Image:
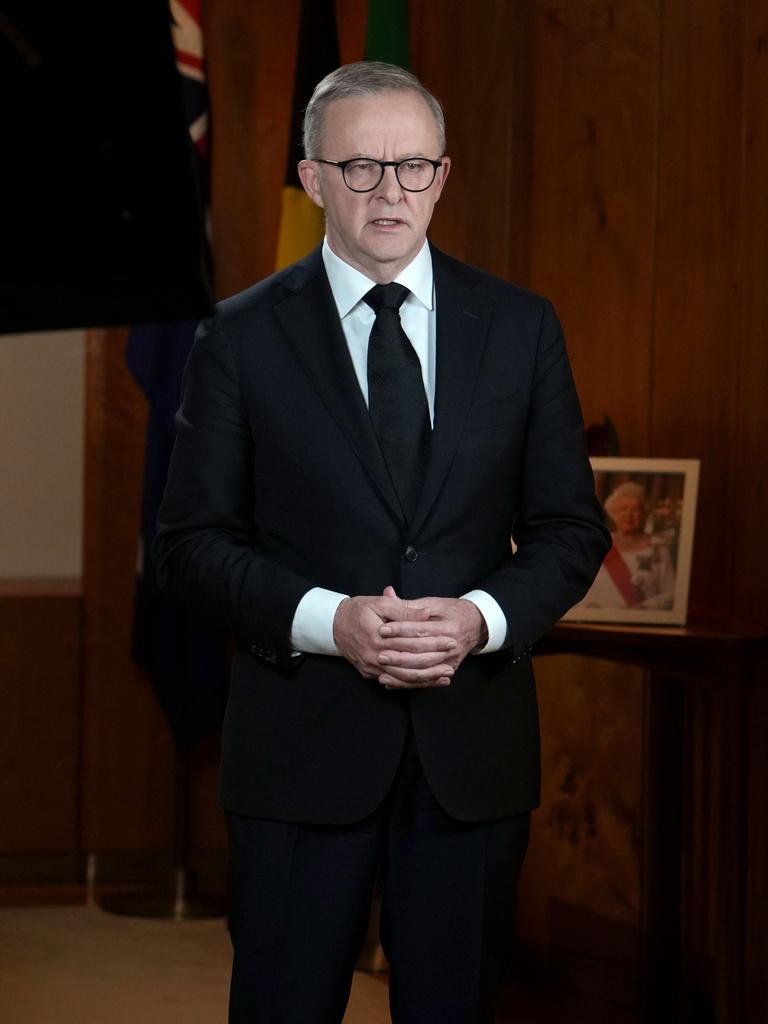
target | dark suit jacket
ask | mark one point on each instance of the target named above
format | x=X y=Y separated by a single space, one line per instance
x=277 y=485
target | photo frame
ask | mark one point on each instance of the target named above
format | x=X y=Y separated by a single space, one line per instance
x=650 y=507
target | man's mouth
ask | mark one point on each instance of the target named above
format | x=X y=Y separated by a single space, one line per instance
x=386 y=222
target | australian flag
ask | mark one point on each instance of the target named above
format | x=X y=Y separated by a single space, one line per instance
x=184 y=658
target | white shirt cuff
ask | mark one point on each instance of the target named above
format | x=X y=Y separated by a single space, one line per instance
x=312 y=627
x=495 y=619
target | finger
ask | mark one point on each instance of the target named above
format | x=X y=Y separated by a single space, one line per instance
x=411 y=662
x=400 y=628
x=416 y=611
x=393 y=684
x=390 y=592
x=396 y=610
x=418 y=645
x=416 y=676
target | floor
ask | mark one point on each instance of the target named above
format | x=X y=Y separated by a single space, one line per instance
x=76 y=964
x=79 y=965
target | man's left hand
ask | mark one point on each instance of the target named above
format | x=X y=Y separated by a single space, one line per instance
x=450 y=617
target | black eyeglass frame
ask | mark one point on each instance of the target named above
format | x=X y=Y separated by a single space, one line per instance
x=383 y=164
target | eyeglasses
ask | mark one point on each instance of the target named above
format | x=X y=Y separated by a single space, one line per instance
x=363 y=175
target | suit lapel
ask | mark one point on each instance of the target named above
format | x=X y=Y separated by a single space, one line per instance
x=462 y=328
x=311 y=324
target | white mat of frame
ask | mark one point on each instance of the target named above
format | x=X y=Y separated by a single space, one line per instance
x=79 y=965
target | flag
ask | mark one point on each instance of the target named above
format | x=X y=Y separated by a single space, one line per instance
x=184 y=658
x=386 y=32
x=302 y=224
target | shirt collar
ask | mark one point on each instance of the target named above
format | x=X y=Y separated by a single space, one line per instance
x=349 y=285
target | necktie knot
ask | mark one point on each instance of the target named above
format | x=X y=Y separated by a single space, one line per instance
x=386 y=296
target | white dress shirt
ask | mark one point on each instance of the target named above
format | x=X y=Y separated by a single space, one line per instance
x=312 y=627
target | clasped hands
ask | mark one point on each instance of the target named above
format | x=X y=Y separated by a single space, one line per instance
x=407 y=644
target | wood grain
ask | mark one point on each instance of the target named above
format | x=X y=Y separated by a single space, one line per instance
x=127 y=751
x=748 y=492
x=250 y=53
x=697 y=321
x=594 y=163
x=481 y=68
x=592 y=253
x=586 y=839
x=40 y=656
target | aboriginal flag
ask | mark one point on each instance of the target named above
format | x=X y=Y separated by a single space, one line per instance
x=301 y=222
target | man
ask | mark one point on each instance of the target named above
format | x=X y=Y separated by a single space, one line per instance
x=350 y=464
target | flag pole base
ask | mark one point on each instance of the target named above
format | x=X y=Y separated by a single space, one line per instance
x=177 y=905
x=180 y=900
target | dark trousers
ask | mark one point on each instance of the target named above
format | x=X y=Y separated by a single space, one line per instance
x=300 y=897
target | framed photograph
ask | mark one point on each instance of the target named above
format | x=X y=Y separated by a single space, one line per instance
x=650 y=509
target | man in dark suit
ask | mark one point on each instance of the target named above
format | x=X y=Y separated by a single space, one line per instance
x=351 y=462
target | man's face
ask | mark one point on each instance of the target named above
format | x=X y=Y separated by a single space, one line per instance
x=377 y=232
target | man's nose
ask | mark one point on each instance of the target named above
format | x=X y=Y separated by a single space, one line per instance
x=389 y=187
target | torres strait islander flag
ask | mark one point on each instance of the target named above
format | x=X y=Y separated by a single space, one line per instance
x=301 y=222
x=184 y=658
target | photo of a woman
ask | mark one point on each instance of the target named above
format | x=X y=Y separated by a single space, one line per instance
x=649 y=509
x=638 y=570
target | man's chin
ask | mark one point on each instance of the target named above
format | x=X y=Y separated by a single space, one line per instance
x=394 y=252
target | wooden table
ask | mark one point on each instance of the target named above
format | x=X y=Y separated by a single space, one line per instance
x=704 y=899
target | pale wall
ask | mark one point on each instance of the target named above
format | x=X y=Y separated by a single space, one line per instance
x=41 y=453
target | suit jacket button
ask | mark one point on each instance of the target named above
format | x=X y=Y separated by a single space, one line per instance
x=411 y=554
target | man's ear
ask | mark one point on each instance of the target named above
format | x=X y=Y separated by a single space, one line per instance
x=309 y=174
x=442 y=175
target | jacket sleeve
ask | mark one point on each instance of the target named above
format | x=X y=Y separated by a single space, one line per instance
x=206 y=551
x=559 y=534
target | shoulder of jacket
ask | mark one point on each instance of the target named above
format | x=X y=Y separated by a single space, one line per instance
x=486 y=285
x=265 y=294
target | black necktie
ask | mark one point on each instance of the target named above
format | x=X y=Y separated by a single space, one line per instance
x=396 y=400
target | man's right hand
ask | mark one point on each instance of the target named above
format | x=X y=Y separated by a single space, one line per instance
x=356 y=633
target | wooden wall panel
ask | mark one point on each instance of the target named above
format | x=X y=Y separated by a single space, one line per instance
x=251 y=54
x=481 y=68
x=592 y=253
x=697 y=331
x=351 y=17
x=40 y=623
x=127 y=782
x=586 y=841
x=748 y=492
x=594 y=160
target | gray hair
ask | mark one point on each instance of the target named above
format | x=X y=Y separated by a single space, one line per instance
x=629 y=489
x=364 y=78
